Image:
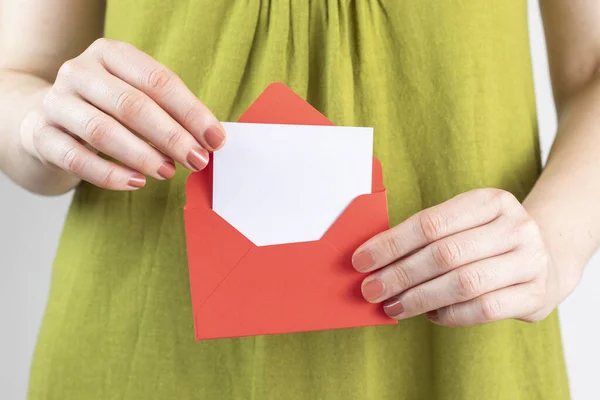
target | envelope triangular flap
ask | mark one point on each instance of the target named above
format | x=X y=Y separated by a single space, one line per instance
x=209 y=241
x=342 y=234
x=216 y=249
x=278 y=104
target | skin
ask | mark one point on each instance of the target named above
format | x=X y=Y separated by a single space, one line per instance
x=66 y=95
x=482 y=256
x=87 y=95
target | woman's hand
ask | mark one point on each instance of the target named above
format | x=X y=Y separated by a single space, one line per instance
x=476 y=258
x=117 y=100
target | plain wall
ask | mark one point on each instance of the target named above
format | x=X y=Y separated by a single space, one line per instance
x=30 y=227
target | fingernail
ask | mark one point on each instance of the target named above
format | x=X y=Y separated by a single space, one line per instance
x=394 y=308
x=433 y=316
x=137 y=181
x=363 y=261
x=198 y=159
x=167 y=170
x=372 y=290
x=214 y=137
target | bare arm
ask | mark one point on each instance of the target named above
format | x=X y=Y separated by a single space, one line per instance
x=36 y=38
x=66 y=96
x=565 y=201
x=482 y=256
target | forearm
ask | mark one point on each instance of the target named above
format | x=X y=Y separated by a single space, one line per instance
x=36 y=38
x=21 y=96
x=565 y=200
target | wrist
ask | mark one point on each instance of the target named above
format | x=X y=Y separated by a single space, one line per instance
x=567 y=257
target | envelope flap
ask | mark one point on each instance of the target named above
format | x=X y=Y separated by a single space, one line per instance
x=367 y=214
x=215 y=249
x=278 y=104
x=219 y=255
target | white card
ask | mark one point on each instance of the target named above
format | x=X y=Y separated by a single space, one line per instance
x=288 y=183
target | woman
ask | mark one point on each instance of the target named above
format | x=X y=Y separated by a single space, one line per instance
x=483 y=243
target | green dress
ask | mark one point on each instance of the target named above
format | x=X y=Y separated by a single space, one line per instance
x=447 y=85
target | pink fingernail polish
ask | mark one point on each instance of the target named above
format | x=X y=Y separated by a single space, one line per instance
x=198 y=158
x=433 y=316
x=214 y=137
x=167 y=170
x=363 y=261
x=394 y=308
x=372 y=290
x=137 y=181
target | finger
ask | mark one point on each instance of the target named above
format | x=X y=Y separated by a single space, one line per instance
x=519 y=301
x=107 y=135
x=495 y=238
x=465 y=211
x=65 y=152
x=460 y=285
x=141 y=114
x=163 y=86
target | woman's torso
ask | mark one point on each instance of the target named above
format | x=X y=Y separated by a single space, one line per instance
x=447 y=87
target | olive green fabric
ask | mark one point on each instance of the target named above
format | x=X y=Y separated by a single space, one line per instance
x=447 y=86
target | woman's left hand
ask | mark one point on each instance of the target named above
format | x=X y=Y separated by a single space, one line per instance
x=477 y=258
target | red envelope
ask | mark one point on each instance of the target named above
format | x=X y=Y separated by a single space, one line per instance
x=240 y=289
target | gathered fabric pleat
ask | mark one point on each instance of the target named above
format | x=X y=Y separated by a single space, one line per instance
x=447 y=86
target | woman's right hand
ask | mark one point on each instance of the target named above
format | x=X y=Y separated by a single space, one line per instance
x=115 y=99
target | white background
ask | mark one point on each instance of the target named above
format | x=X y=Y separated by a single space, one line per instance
x=30 y=227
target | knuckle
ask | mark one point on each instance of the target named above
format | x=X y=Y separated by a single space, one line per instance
x=446 y=254
x=68 y=70
x=448 y=316
x=97 y=131
x=172 y=138
x=401 y=276
x=101 y=42
x=192 y=116
x=532 y=271
x=50 y=99
x=468 y=283
x=121 y=46
x=528 y=232
x=433 y=224
x=417 y=299
x=505 y=201
x=537 y=316
x=159 y=80
x=485 y=194
x=392 y=246
x=529 y=228
x=100 y=45
x=142 y=161
x=503 y=197
x=130 y=104
x=541 y=259
x=490 y=309
x=40 y=134
x=73 y=161
x=533 y=318
x=512 y=233
x=108 y=177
